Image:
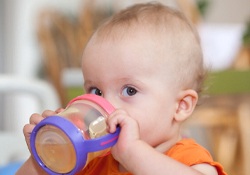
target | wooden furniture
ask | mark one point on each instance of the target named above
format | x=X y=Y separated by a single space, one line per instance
x=244 y=124
x=62 y=39
x=224 y=122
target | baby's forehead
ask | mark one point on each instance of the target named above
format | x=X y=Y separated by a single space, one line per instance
x=159 y=35
x=138 y=34
x=157 y=48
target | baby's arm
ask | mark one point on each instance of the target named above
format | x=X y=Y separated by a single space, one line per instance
x=140 y=158
x=31 y=166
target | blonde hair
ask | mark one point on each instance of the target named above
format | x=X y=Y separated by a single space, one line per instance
x=176 y=32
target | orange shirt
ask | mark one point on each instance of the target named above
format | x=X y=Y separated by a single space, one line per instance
x=186 y=151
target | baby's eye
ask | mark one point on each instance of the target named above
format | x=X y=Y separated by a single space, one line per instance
x=129 y=91
x=96 y=91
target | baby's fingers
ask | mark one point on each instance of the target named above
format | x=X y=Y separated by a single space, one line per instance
x=115 y=119
x=47 y=113
x=27 y=129
x=35 y=119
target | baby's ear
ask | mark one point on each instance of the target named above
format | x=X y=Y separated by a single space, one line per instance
x=186 y=103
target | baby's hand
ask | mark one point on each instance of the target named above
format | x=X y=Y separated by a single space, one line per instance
x=34 y=120
x=129 y=135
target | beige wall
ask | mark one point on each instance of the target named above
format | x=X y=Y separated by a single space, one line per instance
x=228 y=11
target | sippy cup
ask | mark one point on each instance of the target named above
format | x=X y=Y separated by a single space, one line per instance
x=66 y=142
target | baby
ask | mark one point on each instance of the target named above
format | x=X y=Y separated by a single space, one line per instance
x=147 y=62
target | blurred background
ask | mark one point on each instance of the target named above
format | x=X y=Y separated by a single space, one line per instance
x=41 y=42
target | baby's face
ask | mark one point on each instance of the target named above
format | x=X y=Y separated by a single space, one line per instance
x=130 y=74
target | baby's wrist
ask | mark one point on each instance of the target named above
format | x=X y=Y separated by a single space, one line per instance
x=130 y=151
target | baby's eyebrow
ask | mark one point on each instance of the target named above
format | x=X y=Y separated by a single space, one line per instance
x=130 y=80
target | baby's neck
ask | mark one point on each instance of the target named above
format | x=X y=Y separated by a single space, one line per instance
x=122 y=169
x=165 y=146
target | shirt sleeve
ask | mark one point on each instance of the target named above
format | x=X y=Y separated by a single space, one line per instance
x=190 y=153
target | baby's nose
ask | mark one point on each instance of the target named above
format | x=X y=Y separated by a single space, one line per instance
x=113 y=100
